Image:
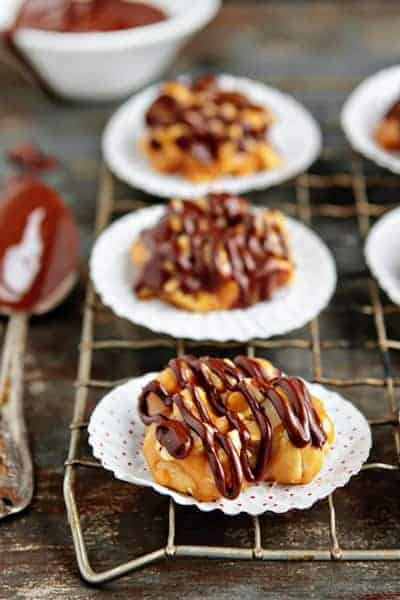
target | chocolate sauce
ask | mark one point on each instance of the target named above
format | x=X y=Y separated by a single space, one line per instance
x=30 y=157
x=84 y=16
x=215 y=242
x=207 y=131
x=288 y=395
x=38 y=244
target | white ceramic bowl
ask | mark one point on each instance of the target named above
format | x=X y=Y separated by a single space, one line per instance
x=110 y=65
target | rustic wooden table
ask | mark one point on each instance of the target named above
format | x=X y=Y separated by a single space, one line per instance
x=317 y=51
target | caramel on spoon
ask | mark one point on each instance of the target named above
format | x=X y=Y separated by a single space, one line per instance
x=39 y=250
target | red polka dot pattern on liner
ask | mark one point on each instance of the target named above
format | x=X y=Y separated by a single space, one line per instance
x=117 y=440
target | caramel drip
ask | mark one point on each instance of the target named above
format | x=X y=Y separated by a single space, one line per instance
x=222 y=240
x=288 y=395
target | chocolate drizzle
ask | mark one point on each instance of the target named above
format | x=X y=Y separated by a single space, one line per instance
x=201 y=245
x=212 y=117
x=217 y=377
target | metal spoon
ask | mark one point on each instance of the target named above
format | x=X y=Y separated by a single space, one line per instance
x=16 y=469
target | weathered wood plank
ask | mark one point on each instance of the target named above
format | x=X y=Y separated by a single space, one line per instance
x=318 y=51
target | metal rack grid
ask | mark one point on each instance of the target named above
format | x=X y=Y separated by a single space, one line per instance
x=361 y=209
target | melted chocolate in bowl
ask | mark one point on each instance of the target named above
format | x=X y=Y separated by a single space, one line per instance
x=38 y=245
x=288 y=395
x=85 y=16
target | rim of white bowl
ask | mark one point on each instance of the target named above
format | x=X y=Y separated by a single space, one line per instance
x=193 y=17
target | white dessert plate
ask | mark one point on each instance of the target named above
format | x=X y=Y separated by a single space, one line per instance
x=113 y=275
x=364 y=109
x=382 y=253
x=116 y=435
x=295 y=135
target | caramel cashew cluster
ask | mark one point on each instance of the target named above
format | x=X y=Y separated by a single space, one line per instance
x=216 y=426
x=199 y=131
x=387 y=133
x=213 y=253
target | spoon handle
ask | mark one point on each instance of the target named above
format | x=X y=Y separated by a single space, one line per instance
x=16 y=468
x=6 y=361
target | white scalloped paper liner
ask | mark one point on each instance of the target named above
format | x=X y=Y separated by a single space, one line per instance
x=382 y=253
x=363 y=110
x=295 y=135
x=116 y=435
x=113 y=274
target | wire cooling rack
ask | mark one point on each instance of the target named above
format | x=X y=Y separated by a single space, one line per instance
x=360 y=209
